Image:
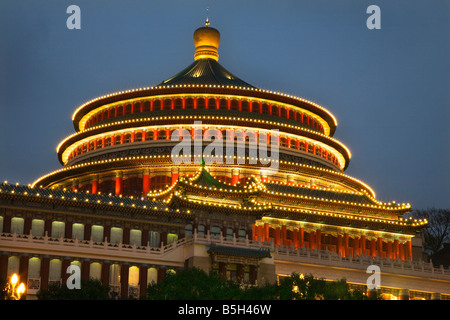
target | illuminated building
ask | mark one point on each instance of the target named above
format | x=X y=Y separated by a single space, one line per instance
x=126 y=213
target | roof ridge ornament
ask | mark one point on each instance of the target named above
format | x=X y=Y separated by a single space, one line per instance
x=206 y=41
x=207 y=17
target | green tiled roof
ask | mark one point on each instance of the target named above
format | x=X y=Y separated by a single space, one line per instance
x=241 y=252
x=317 y=193
x=80 y=197
x=206 y=71
x=205 y=179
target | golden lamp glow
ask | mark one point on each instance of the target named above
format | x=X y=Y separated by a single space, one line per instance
x=14 y=292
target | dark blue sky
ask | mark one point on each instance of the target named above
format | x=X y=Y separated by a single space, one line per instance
x=389 y=89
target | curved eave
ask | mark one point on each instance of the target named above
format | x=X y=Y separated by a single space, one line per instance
x=360 y=201
x=249 y=92
x=215 y=207
x=120 y=125
x=34 y=196
x=346 y=220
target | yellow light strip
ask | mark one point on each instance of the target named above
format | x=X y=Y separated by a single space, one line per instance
x=203 y=86
x=87 y=116
x=69 y=149
x=276 y=221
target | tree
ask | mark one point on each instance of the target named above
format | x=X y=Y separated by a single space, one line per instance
x=196 y=284
x=300 y=287
x=193 y=284
x=90 y=290
x=437 y=231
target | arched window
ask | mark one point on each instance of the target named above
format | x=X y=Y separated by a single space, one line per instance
x=188 y=229
x=95 y=271
x=223 y=104
x=146 y=106
x=201 y=229
x=116 y=235
x=136 y=237
x=58 y=228
x=167 y=104
x=171 y=238
x=242 y=234
x=97 y=233
x=215 y=231
x=154 y=239
x=201 y=103
x=156 y=105
x=189 y=103
x=245 y=106
x=234 y=104
x=178 y=104
x=78 y=231
x=37 y=227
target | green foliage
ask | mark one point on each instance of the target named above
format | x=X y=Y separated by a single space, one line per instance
x=195 y=284
x=90 y=290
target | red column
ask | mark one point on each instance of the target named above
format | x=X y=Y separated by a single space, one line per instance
x=283 y=234
x=143 y=270
x=45 y=269
x=346 y=243
x=363 y=245
x=356 y=248
x=23 y=271
x=312 y=240
x=373 y=247
x=105 y=273
x=64 y=275
x=85 y=266
x=380 y=247
x=95 y=184
x=124 y=271
x=389 y=250
x=235 y=177
x=75 y=185
x=290 y=180
x=146 y=182
x=264 y=178
x=408 y=250
x=301 y=237
x=3 y=265
x=175 y=174
x=318 y=239
x=401 y=250
x=119 y=183
x=339 y=245
x=266 y=231
x=295 y=237
x=277 y=235
x=395 y=253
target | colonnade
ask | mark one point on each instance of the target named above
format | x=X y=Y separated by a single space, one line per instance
x=343 y=243
x=201 y=102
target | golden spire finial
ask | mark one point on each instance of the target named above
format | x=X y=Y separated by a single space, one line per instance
x=206 y=41
x=207 y=17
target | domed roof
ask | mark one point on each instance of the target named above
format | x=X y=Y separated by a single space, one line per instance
x=206 y=69
x=206 y=41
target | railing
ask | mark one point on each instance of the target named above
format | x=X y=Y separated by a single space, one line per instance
x=281 y=253
x=52 y=241
x=385 y=264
